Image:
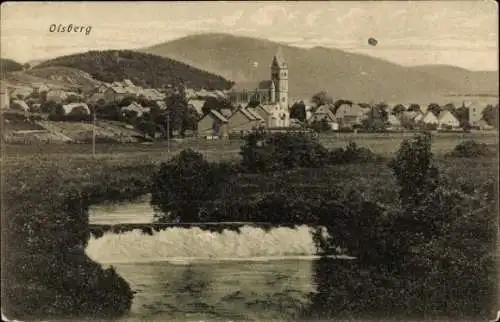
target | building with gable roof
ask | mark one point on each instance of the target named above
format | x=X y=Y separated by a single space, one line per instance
x=349 y=115
x=242 y=121
x=213 y=124
x=447 y=119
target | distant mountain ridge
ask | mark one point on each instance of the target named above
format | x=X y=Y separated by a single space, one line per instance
x=344 y=75
x=141 y=68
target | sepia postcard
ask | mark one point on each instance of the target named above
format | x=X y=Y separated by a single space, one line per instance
x=249 y=161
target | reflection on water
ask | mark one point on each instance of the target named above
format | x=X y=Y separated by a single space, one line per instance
x=218 y=290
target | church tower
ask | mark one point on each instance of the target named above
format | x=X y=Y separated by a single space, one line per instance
x=279 y=78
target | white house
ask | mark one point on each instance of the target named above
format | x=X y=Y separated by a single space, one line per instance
x=135 y=107
x=429 y=118
x=446 y=118
x=476 y=112
x=274 y=115
x=76 y=108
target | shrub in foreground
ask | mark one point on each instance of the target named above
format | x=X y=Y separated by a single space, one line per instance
x=470 y=149
x=45 y=271
x=281 y=151
x=183 y=187
x=352 y=154
x=429 y=257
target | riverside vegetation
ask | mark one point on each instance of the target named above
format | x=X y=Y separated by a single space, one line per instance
x=422 y=230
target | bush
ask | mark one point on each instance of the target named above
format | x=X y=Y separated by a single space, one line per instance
x=414 y=171
x=183 y=187
x=45 y=231
x=352 y=154
x=279 y=151
x=470 y=149
x=411 y=258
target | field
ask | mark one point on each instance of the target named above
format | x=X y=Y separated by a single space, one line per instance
x=132 y=153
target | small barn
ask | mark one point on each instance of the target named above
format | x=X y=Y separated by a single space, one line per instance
x=213 y=124
x=20 y=105
x=242 y=121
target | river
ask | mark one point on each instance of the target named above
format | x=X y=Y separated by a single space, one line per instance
x=191 y=274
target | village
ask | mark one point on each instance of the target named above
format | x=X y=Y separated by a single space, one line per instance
x=220 y=114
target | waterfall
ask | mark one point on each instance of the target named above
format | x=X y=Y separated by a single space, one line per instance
x=180 y=244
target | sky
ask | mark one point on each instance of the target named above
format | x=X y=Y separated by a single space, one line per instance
x=460 y=33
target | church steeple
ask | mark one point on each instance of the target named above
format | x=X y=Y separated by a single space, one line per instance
x=279 y=76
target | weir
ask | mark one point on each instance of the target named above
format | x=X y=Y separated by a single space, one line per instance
x=208 y=241
x=97 y=230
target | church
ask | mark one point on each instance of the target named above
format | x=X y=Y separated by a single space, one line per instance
x=272 y=94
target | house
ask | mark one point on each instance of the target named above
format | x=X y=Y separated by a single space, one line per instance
x=476 y=112
x=243 y=121
x=226 y=112
x=20 y=105
x=349 y=115
x=56 y=96
x=21 y=92
x=97 y=99
x=102 y=88
x=127 y=83
x=76 y=109
x=447 y=119
x=161 y=105
x=135 y=107
x=418 y=116
x=151 y=94
x=393 y=123
x=429 y=120
x=38 y=88
x=274 y=115
x=323 y=112
x=483 y=125
x=4 y=99
x=255 y=114
x=197 y=105
x=213 y=124
x=114 y=94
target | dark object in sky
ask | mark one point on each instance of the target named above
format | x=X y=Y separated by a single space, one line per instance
x=372 y=41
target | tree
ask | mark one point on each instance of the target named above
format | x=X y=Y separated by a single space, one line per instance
x=415 y=173
x=177 y=111
x=298 y=111
x=340 y=102
x=322 y=98
x=434 y=108
x=490 y=115
x=184 y=187
x=414 y=107
x=462 y=114
x=321 y=125
x=147 y=127
x=398 y=109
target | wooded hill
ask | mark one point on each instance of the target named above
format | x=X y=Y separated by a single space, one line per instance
x=9 y=65
x=145 y=70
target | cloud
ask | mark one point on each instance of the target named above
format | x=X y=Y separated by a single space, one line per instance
x=231 y=20
x=267 y=15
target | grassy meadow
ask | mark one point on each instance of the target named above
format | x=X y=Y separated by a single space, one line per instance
x=133 y=153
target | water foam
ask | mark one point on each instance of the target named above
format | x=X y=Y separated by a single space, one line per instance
x=187 y=244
